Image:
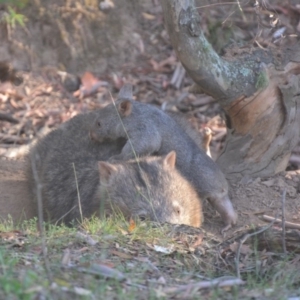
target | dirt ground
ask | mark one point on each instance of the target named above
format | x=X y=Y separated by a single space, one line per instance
x=52 y=54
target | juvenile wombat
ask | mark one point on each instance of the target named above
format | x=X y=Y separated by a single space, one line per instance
x=148 y=130
x=149 y=188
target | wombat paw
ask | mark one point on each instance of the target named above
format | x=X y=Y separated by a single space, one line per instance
x=224 y=229
x=230 y=222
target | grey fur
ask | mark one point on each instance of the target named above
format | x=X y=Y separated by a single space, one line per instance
x=53 y=158
x=149 y=130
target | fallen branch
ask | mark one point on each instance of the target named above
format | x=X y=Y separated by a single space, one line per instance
x=12 y=139
x=287 y=224
x=8 y=118
x=218 y=282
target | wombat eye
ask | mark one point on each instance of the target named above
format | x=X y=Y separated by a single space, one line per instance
x=142 y=218
x=99 y=124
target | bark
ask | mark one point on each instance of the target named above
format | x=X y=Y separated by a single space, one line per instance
x=258 y=90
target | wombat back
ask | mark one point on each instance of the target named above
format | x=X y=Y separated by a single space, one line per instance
x=66 y=164
x=149 y=131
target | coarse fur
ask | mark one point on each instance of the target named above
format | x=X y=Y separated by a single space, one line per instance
x=150 y=188
x=68 y=150
x=148 y=130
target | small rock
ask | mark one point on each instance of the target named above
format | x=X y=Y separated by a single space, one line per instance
x=269 y=182
x=280 y=183
x=106 y=5
x=291 y=191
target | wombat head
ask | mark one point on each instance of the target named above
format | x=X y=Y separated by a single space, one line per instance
x=150 y=188
x=109 y=122
x=216 y=192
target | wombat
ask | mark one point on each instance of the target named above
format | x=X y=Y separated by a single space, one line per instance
x=187 y=127
x=203 y=141
x=149 y=188
x=148 y=130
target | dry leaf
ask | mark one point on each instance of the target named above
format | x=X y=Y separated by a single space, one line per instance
x=245 y=249
x=197 y=242
x=62 y=283
x=66 y=257
x=164 y=250
x=81 y=291
x=121 y=254
x=124 y=232
x=15 y=237
x=89 y=85
x=132 y=225
x=88 y=80
x=86 y=238
x=104 y=271
x=148 y=16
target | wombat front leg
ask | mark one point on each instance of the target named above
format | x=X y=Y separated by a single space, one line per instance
x=142 y=147
x=225 y=209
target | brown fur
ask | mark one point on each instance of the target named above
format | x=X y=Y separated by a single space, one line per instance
x=148 y=131
x=155 y=179
x=151 y=187
x=159 y=192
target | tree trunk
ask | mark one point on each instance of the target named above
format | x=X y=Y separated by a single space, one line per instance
x=258 y=90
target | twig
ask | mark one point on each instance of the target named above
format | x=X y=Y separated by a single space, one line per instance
x=287 y=224
x=7 y=138
x=40 y=217
x=150 y=264
x=243 y=240
x=8 y=118
x=64 y=215
x=178 y=76
x=78 y=194
x=219 y=282
x=283 y=221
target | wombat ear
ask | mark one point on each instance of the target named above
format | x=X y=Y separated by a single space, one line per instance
x=106 y=170
x=125 y=108
x=126 y=92
x=170 y=159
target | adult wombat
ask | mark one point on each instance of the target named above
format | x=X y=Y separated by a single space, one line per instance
x=66 y=164
x=148 y=130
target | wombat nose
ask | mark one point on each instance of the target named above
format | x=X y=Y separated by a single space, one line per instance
x=92 y=135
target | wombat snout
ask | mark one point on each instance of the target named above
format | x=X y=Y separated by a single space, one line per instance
x=91 y=135
x=94 y=137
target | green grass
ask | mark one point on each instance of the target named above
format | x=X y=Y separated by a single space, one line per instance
x=146 y=273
